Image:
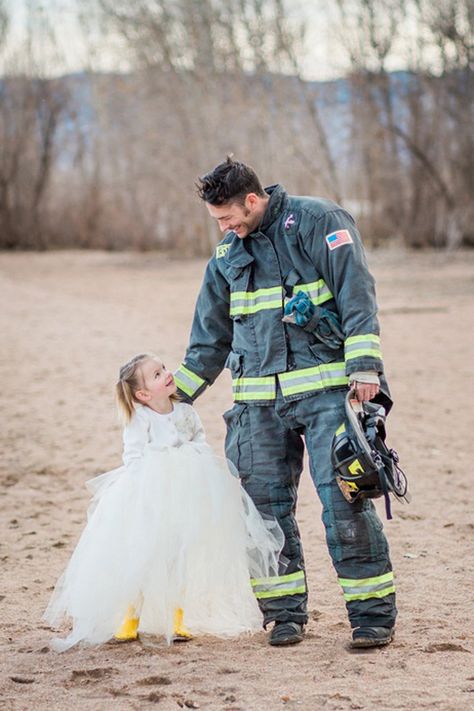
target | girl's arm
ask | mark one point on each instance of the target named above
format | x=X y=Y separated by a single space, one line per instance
x=198 y=430
x=135 y=437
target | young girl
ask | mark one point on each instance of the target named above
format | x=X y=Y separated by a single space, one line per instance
x=171 y=538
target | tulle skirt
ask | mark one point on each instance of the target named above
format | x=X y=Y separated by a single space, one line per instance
x=176 y=531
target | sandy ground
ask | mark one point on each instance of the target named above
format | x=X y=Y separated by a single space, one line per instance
x=67 y=321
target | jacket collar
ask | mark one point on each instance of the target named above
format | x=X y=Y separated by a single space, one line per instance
x=237 y=255
x=276 y=205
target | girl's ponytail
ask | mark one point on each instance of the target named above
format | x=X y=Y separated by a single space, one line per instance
x=125 y=400
x=128 y=383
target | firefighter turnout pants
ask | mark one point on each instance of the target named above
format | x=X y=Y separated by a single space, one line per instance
x=266 y=444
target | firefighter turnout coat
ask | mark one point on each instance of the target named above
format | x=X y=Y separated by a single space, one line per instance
x=303 y=244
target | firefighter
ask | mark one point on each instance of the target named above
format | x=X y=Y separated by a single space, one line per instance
x=288 y=305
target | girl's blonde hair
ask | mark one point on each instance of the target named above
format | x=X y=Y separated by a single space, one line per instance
x=130 y=380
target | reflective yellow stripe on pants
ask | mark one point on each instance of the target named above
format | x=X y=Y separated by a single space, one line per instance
x=278 y=586
x=365 y=588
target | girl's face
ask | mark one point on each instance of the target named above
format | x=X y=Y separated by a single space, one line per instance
x=158 y=382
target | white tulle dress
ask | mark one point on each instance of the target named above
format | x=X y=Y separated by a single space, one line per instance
x=170 y=528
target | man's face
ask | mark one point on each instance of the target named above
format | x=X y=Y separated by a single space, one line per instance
x=241 y=219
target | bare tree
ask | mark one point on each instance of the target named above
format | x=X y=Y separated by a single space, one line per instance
x=221 y=79
x=409 y=149
x=31 y=109
x=109 y=159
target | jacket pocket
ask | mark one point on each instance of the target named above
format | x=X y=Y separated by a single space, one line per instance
x=235 y=364
x=324 y=354
x=239 y=277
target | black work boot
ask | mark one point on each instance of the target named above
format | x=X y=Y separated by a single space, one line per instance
x=363 y=637
x=284 y=633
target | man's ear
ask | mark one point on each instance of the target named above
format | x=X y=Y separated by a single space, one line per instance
x=142 y=395
x=251 y=199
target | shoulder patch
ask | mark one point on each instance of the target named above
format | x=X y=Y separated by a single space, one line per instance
x=221 y=250
x=339 y=238
x=291 y=223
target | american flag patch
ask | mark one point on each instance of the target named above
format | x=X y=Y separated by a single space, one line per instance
x=337 y=239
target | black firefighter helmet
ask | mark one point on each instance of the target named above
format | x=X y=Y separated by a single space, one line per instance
x=365 y=467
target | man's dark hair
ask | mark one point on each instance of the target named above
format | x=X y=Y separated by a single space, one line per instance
x=230 y=181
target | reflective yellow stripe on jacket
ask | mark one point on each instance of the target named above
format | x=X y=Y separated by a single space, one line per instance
x=318 y=377
x=243 y=303
x=303 y=380
x=318 y=291
x=254 y=388
x=359 y=346
x=187 y=381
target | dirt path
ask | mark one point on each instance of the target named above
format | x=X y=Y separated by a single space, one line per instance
x=67 y=322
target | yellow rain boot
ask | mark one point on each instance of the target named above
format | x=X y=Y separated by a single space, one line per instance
x=180 y=633
x=129 y=628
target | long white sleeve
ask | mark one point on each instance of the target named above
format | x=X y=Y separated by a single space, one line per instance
x=135 y=437
x=198 y=430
